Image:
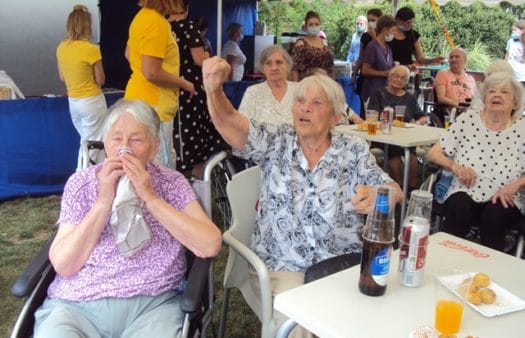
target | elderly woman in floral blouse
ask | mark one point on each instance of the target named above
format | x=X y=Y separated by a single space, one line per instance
x=316 y=185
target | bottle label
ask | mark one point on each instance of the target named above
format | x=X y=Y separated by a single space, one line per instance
x=381 y=265
x=382 y=203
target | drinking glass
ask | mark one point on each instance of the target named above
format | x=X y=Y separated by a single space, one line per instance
x=371 y=115
x=447 y=121
x=448 y=305
x=400 y=113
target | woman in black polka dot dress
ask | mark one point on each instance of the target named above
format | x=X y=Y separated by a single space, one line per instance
x=485 y=150
x=194 y=136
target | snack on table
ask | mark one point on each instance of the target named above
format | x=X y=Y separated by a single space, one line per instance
x=397 y=123
x=488 y=296
x=481 y=279
x=475 y=289
x=362 y=126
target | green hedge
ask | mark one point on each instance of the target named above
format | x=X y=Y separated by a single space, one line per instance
x=482 y=30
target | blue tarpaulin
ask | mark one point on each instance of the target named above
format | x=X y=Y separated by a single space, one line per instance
x=38 y=146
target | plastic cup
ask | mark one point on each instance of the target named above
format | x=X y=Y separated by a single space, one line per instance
x=371 y=115
x=449 y=306
x=372 y=127
x=447 y=121
x=400 y=111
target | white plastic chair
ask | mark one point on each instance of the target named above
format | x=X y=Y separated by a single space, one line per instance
x=243 y=194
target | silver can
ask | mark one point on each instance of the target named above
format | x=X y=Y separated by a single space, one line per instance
x=413 y=242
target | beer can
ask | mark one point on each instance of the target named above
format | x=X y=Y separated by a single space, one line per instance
x=387 y=118
x=413 y=242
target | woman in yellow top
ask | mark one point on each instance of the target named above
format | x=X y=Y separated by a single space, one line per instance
x=154 y=59
x=80 y=67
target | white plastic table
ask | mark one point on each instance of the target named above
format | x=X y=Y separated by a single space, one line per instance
x=333 y=307
x=403 y=137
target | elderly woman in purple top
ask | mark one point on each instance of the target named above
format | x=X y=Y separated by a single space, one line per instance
x=99 y=291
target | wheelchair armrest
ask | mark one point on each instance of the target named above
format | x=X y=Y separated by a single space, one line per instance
x=26 y=282
x=197 y=280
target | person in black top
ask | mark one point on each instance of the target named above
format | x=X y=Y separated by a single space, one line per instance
x=407 y=41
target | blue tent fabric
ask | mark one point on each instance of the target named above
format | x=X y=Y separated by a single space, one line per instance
x=38 y=146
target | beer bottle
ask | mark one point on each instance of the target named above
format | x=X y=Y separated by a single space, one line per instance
x=378 y=241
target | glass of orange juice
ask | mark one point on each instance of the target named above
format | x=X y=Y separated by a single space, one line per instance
x=449 y=306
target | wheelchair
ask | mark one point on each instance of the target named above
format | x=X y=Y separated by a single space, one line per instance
x=196 y=302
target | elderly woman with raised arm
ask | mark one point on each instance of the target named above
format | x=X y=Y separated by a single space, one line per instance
x=316 y=185
x=485 y=151
x=123 y=230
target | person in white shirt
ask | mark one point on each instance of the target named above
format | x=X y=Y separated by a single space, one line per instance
x=271 y=100
x=232 y=53
x=514 y=50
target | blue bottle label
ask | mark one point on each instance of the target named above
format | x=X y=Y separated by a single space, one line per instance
x=380 y=266
x=382 y=204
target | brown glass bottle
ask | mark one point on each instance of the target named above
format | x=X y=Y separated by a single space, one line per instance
x=378 y=243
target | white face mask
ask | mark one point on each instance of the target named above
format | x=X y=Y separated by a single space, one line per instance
x=314 y=30
x=389 y=37
x=372 y=24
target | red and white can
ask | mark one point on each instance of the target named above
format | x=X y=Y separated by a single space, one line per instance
x=413 y=242
x=387 y=119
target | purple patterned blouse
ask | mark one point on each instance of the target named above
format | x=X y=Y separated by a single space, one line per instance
x=156 y=268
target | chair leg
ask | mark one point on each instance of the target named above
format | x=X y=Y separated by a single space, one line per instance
x=224 y=312
x=519 y=248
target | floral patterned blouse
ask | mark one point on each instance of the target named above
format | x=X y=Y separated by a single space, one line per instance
x=306 y=215
x=307 y=58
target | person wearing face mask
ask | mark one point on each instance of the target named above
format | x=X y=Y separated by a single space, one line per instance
x=232 y=53
x=355 y=43
x=309 y=52
x=377 y=60
x=514 y=50
x=407 y=41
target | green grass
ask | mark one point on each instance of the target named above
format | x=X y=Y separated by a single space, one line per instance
x=27 y=223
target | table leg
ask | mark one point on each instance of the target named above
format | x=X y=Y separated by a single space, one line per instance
x=385 y=157
x=405 y=184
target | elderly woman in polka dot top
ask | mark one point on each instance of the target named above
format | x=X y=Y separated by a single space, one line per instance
x=485 y=150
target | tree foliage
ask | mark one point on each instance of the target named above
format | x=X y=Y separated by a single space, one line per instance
x=477 y=27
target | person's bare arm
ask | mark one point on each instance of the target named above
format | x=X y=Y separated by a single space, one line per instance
x=153 y=72
x=74 y=243
x=198 y=54
x=60 y=75
x=232 y=125
x=367 y=70
x=98 y=70
x=466 y=175
x=441 y=93
x=422 y=59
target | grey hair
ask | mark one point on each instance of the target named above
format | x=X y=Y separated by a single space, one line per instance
x=265 y=54
x=499 y=66
x=332 y=89
x=402 y=67
x=503 y=78
x=362 y=18
x=141 y=112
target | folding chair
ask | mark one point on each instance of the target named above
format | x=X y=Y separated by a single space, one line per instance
x=196 y=303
